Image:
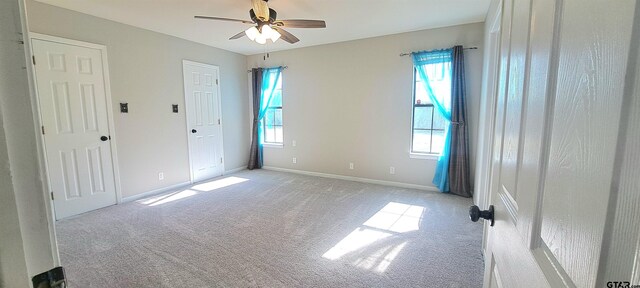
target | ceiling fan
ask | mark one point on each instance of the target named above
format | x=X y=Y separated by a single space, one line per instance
x=267 y=26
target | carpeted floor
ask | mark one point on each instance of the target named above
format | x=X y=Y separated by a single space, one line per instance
x=270 y=229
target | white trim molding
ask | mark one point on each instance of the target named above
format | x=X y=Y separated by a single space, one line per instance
x=356 y=179
x=234 y=170
x=424 y=156
x=273 y=145
x=156 y=192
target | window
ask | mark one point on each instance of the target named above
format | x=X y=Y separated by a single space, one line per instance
x=272 y=121
x=428 y=125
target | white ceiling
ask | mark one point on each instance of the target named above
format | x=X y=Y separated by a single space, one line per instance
x=346 y=19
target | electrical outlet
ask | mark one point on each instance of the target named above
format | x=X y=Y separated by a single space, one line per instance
x=293 y=143
x=161 y=176
x=351 y=166
x=295 y=160
x=392 y=170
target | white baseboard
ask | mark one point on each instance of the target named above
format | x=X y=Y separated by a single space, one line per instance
x=156 y=192
x=234 y=170
x=357 y=179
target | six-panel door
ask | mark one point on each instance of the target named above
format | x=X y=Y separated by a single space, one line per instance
x=560 y=93
x=203 y=120
x=72 y=98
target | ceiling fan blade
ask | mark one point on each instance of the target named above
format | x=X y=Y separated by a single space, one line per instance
x=300 y=23
x=286 y=36
x=223 y=19
x=239 y=35
x=261 y=9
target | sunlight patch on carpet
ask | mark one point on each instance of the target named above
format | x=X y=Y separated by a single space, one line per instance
x=199 y=188
x=372 y=243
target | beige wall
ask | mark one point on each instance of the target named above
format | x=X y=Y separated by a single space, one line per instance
x=351 y=102
x=146 y=72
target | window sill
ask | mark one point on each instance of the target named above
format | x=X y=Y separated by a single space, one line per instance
x=424 y=156
x=273 y=145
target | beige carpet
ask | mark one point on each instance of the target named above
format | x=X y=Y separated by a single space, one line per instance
x=270 y=229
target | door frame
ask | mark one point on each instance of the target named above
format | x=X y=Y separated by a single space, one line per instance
x=186 y=116
x=110 y=116
x=487 y=113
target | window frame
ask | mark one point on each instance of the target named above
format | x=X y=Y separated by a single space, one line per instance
x=420 y=154
x=263 y=123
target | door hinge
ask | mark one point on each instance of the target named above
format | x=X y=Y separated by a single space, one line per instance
x=216 y=81
x=220 y=159
x=33 y=58
x=52 y=198
x=218 y=121
x=42 y=130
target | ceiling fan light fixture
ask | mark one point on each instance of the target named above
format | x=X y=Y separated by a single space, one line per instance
x=266 y=31
x=252 y=33
x=275 y=35
x=267 y=25
x=261 y=39
x=269 y=33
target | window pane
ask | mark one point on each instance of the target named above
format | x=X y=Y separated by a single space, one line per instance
x=269 y=117
x=279 y=136
x=269 y=135
x=438 y=121
x=438 y=142
x=278 y=117
x=279 y=84
x=440 y=81
x=421 y=94
x=422 y=117
x=421 y=141
x=276 y=100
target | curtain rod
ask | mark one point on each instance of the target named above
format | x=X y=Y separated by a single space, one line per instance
x=283 y=67
x=407 y=54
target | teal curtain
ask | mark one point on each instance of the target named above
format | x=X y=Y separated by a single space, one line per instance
x=423 y=63
x=270 y=77
x=263 y=82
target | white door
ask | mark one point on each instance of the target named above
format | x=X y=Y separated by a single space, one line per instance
x=204 y=129
x=561 y=91
x=73 y=106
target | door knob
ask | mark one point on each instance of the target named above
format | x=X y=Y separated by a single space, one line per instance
x=104 y=138
x=475 y=213
x=194 y=130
